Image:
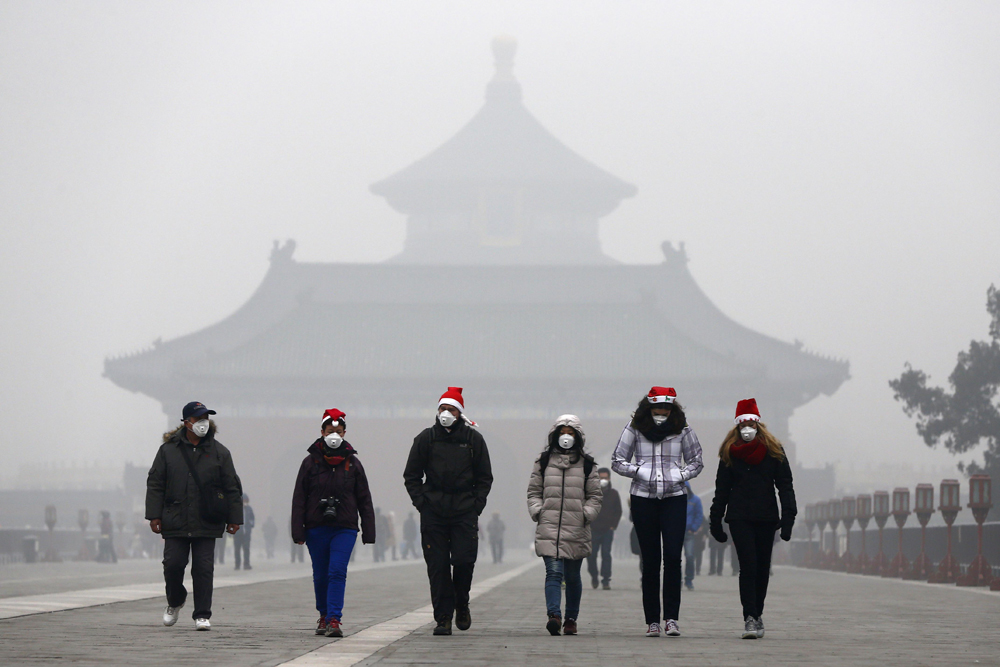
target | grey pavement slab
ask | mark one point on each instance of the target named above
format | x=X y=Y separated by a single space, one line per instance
x=812 y=618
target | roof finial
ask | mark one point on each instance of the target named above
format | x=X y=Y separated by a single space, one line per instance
x=504 y=87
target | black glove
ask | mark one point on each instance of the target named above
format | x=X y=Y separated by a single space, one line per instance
x=717 y=532
x=786 y=531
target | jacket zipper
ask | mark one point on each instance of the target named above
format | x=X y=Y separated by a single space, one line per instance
x=562 y=500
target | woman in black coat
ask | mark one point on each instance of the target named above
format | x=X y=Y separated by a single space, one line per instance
x=752 y=464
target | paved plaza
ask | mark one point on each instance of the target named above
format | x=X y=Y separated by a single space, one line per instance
x=265 y=617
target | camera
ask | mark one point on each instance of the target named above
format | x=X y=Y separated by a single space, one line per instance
x=329 y=507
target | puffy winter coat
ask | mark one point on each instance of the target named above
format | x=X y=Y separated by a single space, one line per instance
x=564 y=502
x=347 y=481
x=173 y=497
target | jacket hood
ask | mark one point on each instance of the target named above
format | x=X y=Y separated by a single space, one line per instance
x=178 y=432
x=568 y=420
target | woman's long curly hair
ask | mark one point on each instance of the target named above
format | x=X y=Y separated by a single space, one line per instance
x=642 y=418
x=774 y=447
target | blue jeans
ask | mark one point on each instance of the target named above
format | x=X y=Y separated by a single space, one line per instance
x=557 y=569
x=689 y=558
x=330 y=550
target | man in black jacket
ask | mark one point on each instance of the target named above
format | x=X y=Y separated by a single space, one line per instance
x=603 y=531
x=193 y=494
x=448 y=477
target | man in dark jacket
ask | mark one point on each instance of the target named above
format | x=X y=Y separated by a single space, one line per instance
x=409 y=536
x=602 y=531
x=448 y=477
x=193 y=496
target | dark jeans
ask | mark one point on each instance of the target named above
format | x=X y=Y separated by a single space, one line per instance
x=660 y=524
x=175 y=560
x=601 y=542
x=496 y=547
x=753 y=541
x=558 y=570
x=241 y=542
x=450 y=545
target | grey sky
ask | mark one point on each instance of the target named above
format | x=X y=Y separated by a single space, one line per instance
x=833 y=168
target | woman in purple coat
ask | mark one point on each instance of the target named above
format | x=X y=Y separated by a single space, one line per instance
x=331 y=495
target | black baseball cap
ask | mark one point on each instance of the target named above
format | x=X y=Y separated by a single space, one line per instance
x=196 y=409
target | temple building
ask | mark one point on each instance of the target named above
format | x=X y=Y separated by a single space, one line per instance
x=501 y=288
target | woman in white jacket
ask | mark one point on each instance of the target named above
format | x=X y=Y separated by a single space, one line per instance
x=660 y=452
x=564 y=497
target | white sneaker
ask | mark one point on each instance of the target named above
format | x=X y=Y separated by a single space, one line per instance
x=170 y=615
x=202 y=624
x=760 y=627
x=654 y=630
x=749 y=628
x=670 y=628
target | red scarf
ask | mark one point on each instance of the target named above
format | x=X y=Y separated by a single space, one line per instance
x=752 y=452
x=335 y=461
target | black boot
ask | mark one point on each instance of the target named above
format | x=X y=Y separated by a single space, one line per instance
x=463 y=618
x=443 y=627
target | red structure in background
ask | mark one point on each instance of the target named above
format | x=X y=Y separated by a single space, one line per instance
x=822 y=514
x=848 y=509
x=900 y=512
x=948 y=570
x=880 y=510
x=810 y=522
x=923 y=506
x=980 y=501
x=834 y=512
x=864 y=513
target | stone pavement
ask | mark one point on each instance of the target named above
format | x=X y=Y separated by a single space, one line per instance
x=812 y=618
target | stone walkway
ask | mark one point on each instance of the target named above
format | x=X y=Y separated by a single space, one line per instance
x=812 y=618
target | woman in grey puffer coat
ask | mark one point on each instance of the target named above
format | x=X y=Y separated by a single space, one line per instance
x=564 y=497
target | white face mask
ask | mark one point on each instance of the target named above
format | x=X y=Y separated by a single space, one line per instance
x=748 y=433
x=200 y=428
x=446 y=418
x=333 y=440
x=605 y=483
x=566 y=441
x=659 y=419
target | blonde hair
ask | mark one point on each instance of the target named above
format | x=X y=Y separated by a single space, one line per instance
x=774 y=447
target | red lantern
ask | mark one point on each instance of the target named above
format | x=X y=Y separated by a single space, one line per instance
x=864 y=512
x=979 y=573
x=948 y=569
x=848 y=513
x=822 y=514
x=923 y=505
x=900 y=512
x=880 y=510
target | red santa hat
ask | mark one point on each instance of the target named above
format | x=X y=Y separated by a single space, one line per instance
x=453 y=397
x=665 y=395
x=333 y=414
x=746 y=411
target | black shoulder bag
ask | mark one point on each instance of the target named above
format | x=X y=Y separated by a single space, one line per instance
x=213 y=507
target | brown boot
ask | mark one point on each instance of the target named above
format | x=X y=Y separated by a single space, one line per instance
x=553 y=625
x=569 y=627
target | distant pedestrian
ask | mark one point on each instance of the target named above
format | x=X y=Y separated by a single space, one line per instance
x=752 y=464
x=495 y=528
x=695 y=517
x=699 y=546
x=381 y=535
x=193 y=498
x=270 y=530
x=241 y=540
x=717 y=553
x=220 y=550
x=564 y=498
x=448 y=476
x=390 y=543
x=105 y=543
x=409 y=537
x=298 y=550
x=603 y=531
x=331 y=496
x=660 y=452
